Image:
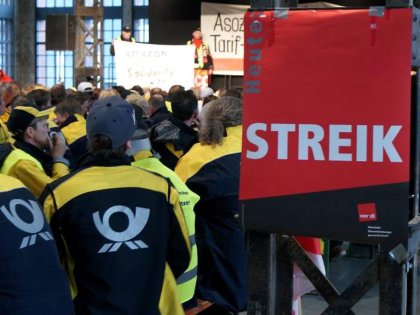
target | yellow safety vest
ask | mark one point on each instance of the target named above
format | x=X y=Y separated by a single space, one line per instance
x=15 y=156
x=132 y=39
x=187 y=281
x=200 y=54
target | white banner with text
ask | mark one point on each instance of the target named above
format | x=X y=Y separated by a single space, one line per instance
x=223 y=31
x=151 y=66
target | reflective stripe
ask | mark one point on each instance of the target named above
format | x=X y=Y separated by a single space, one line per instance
x=192 y=240
x=187 y=276
x=190 y=274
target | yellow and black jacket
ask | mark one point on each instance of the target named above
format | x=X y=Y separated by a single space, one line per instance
x=121 y=227
x=33 y=167
x=172 y=138
x=4 y=133
x=5 y=143
x=31 y=278
x=74 y=130
x=5 y=116
x=212 y=172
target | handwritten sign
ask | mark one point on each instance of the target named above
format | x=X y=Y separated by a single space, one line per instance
x=154 y=65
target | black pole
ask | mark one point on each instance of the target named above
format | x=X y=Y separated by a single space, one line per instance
x=258 y=272
x=283 y=277
x=270 y=274
x=392 y=287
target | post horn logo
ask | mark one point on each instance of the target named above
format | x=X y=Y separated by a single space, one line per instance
x=136 y=224
x=34 y=227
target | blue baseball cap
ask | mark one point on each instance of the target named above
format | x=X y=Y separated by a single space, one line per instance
x=112 y=117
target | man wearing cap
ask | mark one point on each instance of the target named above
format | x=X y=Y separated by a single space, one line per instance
x=36 y=159
x=125 y=36
x=85 y=87
x=31 y=278
x=124 y=236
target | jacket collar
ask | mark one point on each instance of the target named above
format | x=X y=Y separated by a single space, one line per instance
x=71 y=119
x=161 y=110
x=141 y=155
x=95 y=160
x=68 y=121
x=233 y=131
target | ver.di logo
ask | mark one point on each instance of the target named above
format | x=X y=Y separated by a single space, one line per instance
x=34 y=227
x=136 y=224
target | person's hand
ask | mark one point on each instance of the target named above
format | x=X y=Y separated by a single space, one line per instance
x=210 y=71
x=195 y=123
x=59 y=146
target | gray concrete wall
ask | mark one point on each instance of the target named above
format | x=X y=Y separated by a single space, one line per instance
x=24 y=41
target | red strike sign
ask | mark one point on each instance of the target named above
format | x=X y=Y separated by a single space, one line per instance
x=327 y=101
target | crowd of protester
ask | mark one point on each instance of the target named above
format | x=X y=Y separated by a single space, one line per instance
x=120 y=201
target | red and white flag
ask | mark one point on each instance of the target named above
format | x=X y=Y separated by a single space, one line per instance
x=301 y=284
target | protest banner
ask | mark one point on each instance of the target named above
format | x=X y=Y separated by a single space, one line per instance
x=223 y=30
x=326 y=148
x=154 y=65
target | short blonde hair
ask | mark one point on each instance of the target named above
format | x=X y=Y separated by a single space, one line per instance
x=217 y=116
x=108 y=93
x=33 y=87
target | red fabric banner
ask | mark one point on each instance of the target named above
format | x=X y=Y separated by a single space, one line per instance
x=327 y=101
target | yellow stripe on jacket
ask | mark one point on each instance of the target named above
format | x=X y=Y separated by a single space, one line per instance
x=200 y=155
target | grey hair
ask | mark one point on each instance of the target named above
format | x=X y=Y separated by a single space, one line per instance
x=217 y=116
